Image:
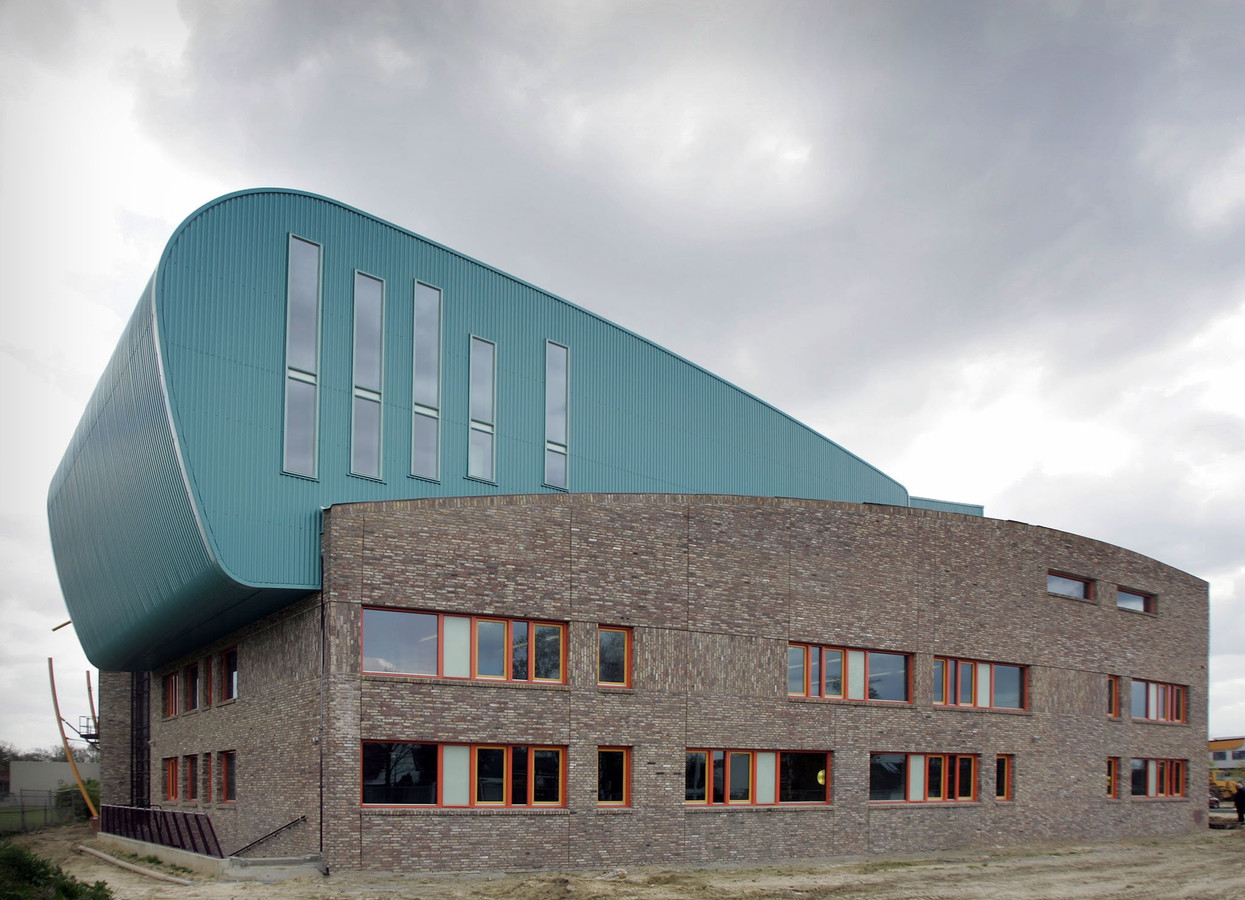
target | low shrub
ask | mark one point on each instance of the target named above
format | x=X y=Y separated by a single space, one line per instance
x=25 y=876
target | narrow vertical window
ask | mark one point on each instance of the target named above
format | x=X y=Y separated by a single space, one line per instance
x=229 y=675
x=302 y=357
x=556 y=431
x=228 y=775
x=1003 y=777
x=1113 y=775
x=369 y=345
x=170 y=778
x=613 y=776
x=426 y=385
x=192 y=687
x=1113 y=696
x=191 y=764
x=480 y=450
x=170 y=695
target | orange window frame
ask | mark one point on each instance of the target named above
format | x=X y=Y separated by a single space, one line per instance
x=960 y=678
x=820 y=691
x=227 y=784
x=1113 y=696
x=727 y=756
x=1113 y=777
x=950 y=780
x=626 y=777
x=1003 y=766
x=1167 y=703
x=626 y=632
x=508 y=800
x=170 y=778
x=191 y=765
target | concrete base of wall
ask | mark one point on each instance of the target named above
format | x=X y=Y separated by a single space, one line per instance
x=232 y=868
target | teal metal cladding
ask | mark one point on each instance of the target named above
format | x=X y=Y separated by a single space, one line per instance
x=172 y=521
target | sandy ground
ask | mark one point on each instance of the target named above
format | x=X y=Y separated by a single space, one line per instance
x=1204 y=865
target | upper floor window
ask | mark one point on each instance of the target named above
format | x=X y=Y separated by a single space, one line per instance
x=1238 y=754
x=229 y=775
x=1158 y=701
x=614 y=656
x=369 y=345
x=192 y=687
x=1158 y=777
x=426 y=384
x=302 y=357
x=410 y=774
x=750 y=777
x=922 y=777
x=1220 y=756
x=397 y=642
x=229 y=674
x=556 y=394
x=1113 y=696
x=480 y=450
x=1134 y=600
x=614 y=776
x=1069 y=586
x=170 y=695
x=965 y=682
x=845 y=674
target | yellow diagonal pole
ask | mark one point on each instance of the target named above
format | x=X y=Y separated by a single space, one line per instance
x=65 y=742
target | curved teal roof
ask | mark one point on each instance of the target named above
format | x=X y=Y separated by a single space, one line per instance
x=172 y=521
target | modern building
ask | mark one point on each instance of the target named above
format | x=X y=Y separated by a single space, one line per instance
x=1226 y=754
x=390 y=557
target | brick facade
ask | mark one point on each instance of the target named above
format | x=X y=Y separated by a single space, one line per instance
x=713 y=588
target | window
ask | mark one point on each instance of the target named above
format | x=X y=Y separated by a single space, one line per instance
x=1003 y=777
x=557 y=379
x=1113 y=696
x=170 y=778
x=1220 y=756
x=922 y=777
x=207 y=776
x=480 y=451
x=229 y=675
x=396 y=642
x=1113 y=777
x=965 y=682
x=1134 y=600
x=228 y=775
x=426 y=385
x=614 y=656
x=170 y=695
x=1158 y=777
x=614 y=776
x=191 y=765
x=207 y=681
x=369 y=352
x=1158 y=702
x=409 y=774
x=1238 y=754
x=1069 y=586
x=756 y=777
x=192 y=687
x=841 y=674
x=302 y=357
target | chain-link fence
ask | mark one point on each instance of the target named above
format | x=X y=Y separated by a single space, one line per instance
x=28 y=810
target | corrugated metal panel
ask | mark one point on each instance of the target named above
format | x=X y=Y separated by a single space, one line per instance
x=968 y=509
x=641 y=418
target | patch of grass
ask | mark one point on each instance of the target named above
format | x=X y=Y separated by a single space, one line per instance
x=24 y=876
x=151 y=861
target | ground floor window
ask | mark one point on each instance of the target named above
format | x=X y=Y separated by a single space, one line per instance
x=756 y=777
x=170 y=778
x=1158 y=777
x=1003 y=777
x=1113 y=777
x=614 y=776
x=191 y=764
x=228 y=775
x=922 y=777
x=418 y=774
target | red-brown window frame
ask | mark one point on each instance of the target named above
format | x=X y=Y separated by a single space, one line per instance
x=1008 y=763
x=1087 y=582
x=226 y=783
x=170 y=695
x=207 y=681
x=170 y=778
x=191 y=765
x=1171 y=778
x=207 y=777
x=193 y=687
x=950 y=779
x=472 y=777
x=228 y=687
x=1172 y=705
x=1113 y=696
x=473 y=639
x=626 y=784
x=951 y=683
x=1147 y=599
x=821 y=694
x=728 y=752
x=1113 y=777
x=626 y=632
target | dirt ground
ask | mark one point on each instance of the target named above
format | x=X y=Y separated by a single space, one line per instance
x=1205 y=865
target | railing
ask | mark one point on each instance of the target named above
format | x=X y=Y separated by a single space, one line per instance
x=272 y=833
x=167 y=827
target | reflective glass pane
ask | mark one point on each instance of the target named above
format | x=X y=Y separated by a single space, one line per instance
x=400 y=774
x=940 y=681
x=888 y=776
x=611 y=776
x=546 y=776
x=802 y=778
x=399 y=642
x=491 y=648
x=555 y=393
x=814 y=671
x=555 y=468
x=490 y=775
x=518 y=651
x=1069 y=587
x=300 y=427
x=1001 y=779
x=934 y=782
x=964 y=677
x=1139 y=778
x=741 y=776
x=304 y=306
x=965 y=781
x=694 y=778
x=719 y=776
x=1129 y=600
x=365 y=447
x=795 y=670
x=1009 y=690
x=368 y=305
x=425 y=450
x=518 y=776
x=612 y=656
x=832 y=662
x=482 y=381
x=1137 y=706
x=548 y=645
x=427 y=386
x=888 y=676
x=480 y=455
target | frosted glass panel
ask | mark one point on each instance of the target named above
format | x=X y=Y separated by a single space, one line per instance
x=916 y=776
x=983 y=685
x=766 y=777
x=855 y=675
x=456 y=662
x=456 y=775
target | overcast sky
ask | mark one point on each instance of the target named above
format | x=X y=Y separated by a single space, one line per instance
x=995 y=249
